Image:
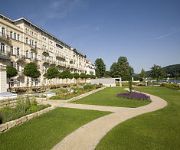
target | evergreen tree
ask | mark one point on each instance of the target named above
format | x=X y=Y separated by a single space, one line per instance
x=100 y=67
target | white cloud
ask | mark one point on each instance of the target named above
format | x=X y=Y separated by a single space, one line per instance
x=167 y=34
x=57 y=9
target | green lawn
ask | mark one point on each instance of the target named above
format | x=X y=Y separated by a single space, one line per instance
x=107 y=97
x=45 y=131
x=158 y=130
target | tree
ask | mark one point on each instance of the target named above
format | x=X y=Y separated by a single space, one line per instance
x=83 y=76
x=130 y=75
x=51 y=73
x=107 y=74
x=76 y=76
x=120 y=68
x=123 y=67
x=142 y=75
x=31 y=70
x=100 y=67
x=114 y=70
x=156 y=72
x=11 y=72
x=65 y=75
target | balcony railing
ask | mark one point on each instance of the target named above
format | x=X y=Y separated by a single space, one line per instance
x=4 y=55
x=60 y=57
x=34 y=48
x=5 y=38
x=45 y=53
x=21 y=58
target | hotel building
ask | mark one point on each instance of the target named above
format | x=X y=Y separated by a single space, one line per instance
x=22 y=42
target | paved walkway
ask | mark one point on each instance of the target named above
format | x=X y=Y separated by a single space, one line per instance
x=88 y=136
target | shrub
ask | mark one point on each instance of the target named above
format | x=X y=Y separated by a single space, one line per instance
x=171 y=86
x=88 y=86
x=134 y=95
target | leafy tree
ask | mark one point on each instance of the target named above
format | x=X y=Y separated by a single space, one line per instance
x=123 y=67
x=51 y=73
x=107 y=74
x=142 y=75
x=65 y=75
x=11 y=72
x=100 y=67
x=31 y=70
x=156 y=72
x=76 y=76
x=120 y=68
x=114 y=70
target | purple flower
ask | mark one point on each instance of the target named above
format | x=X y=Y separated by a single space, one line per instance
x=134 y=95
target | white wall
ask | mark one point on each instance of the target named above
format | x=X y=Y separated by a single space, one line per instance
x=3 y=79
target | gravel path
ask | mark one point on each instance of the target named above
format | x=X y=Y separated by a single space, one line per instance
x=89 y=135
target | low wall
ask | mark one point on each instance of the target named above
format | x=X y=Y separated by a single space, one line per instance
x=8 y=125
x=8 y=102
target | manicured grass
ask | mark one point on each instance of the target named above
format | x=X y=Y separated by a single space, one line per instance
x=47 y=130
x=107 y=97
x=158 y=130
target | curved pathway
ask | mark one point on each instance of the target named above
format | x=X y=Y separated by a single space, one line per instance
x=89 y=135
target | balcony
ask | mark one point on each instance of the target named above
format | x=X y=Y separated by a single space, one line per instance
x=45 y=53
x=60 y=64
x=4 y=55
x=60 y=57
x=5 y=38
x=34 y=48
x=21 y=59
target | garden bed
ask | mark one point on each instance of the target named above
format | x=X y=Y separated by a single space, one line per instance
x=134 y=95
x=68 y=93
x=24 y=106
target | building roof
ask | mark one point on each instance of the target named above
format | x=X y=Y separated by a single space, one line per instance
x=26 y=21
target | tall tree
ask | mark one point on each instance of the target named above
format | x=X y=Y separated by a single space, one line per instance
x=31 y=70
x=114 y=70
x=142 y=74
x=156 y=72
x=100 y=67
x=130 y=75
x=11 y=72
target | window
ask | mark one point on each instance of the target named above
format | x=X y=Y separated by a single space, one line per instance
x=17 y=67
x=26 y=54
x=18 y=37
x=15 y=36
x=17 y=51
x=2 y=48
x=11 y=33
x=31 y=55
x=3 y=31
x=26 y=40
x=12 y=52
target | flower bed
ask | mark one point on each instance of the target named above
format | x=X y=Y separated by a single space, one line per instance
x=64 y=94
x=134 y=95
x=23 y=107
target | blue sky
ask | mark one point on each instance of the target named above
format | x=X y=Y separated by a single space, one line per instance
x=147 y=32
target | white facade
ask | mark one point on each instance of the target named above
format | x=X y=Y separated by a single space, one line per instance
x=23 y=42
x=3 y=79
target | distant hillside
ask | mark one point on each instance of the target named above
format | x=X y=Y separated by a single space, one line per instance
x=171 y=70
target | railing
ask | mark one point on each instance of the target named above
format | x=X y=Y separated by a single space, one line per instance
x=4 y=55
x=5 y=38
